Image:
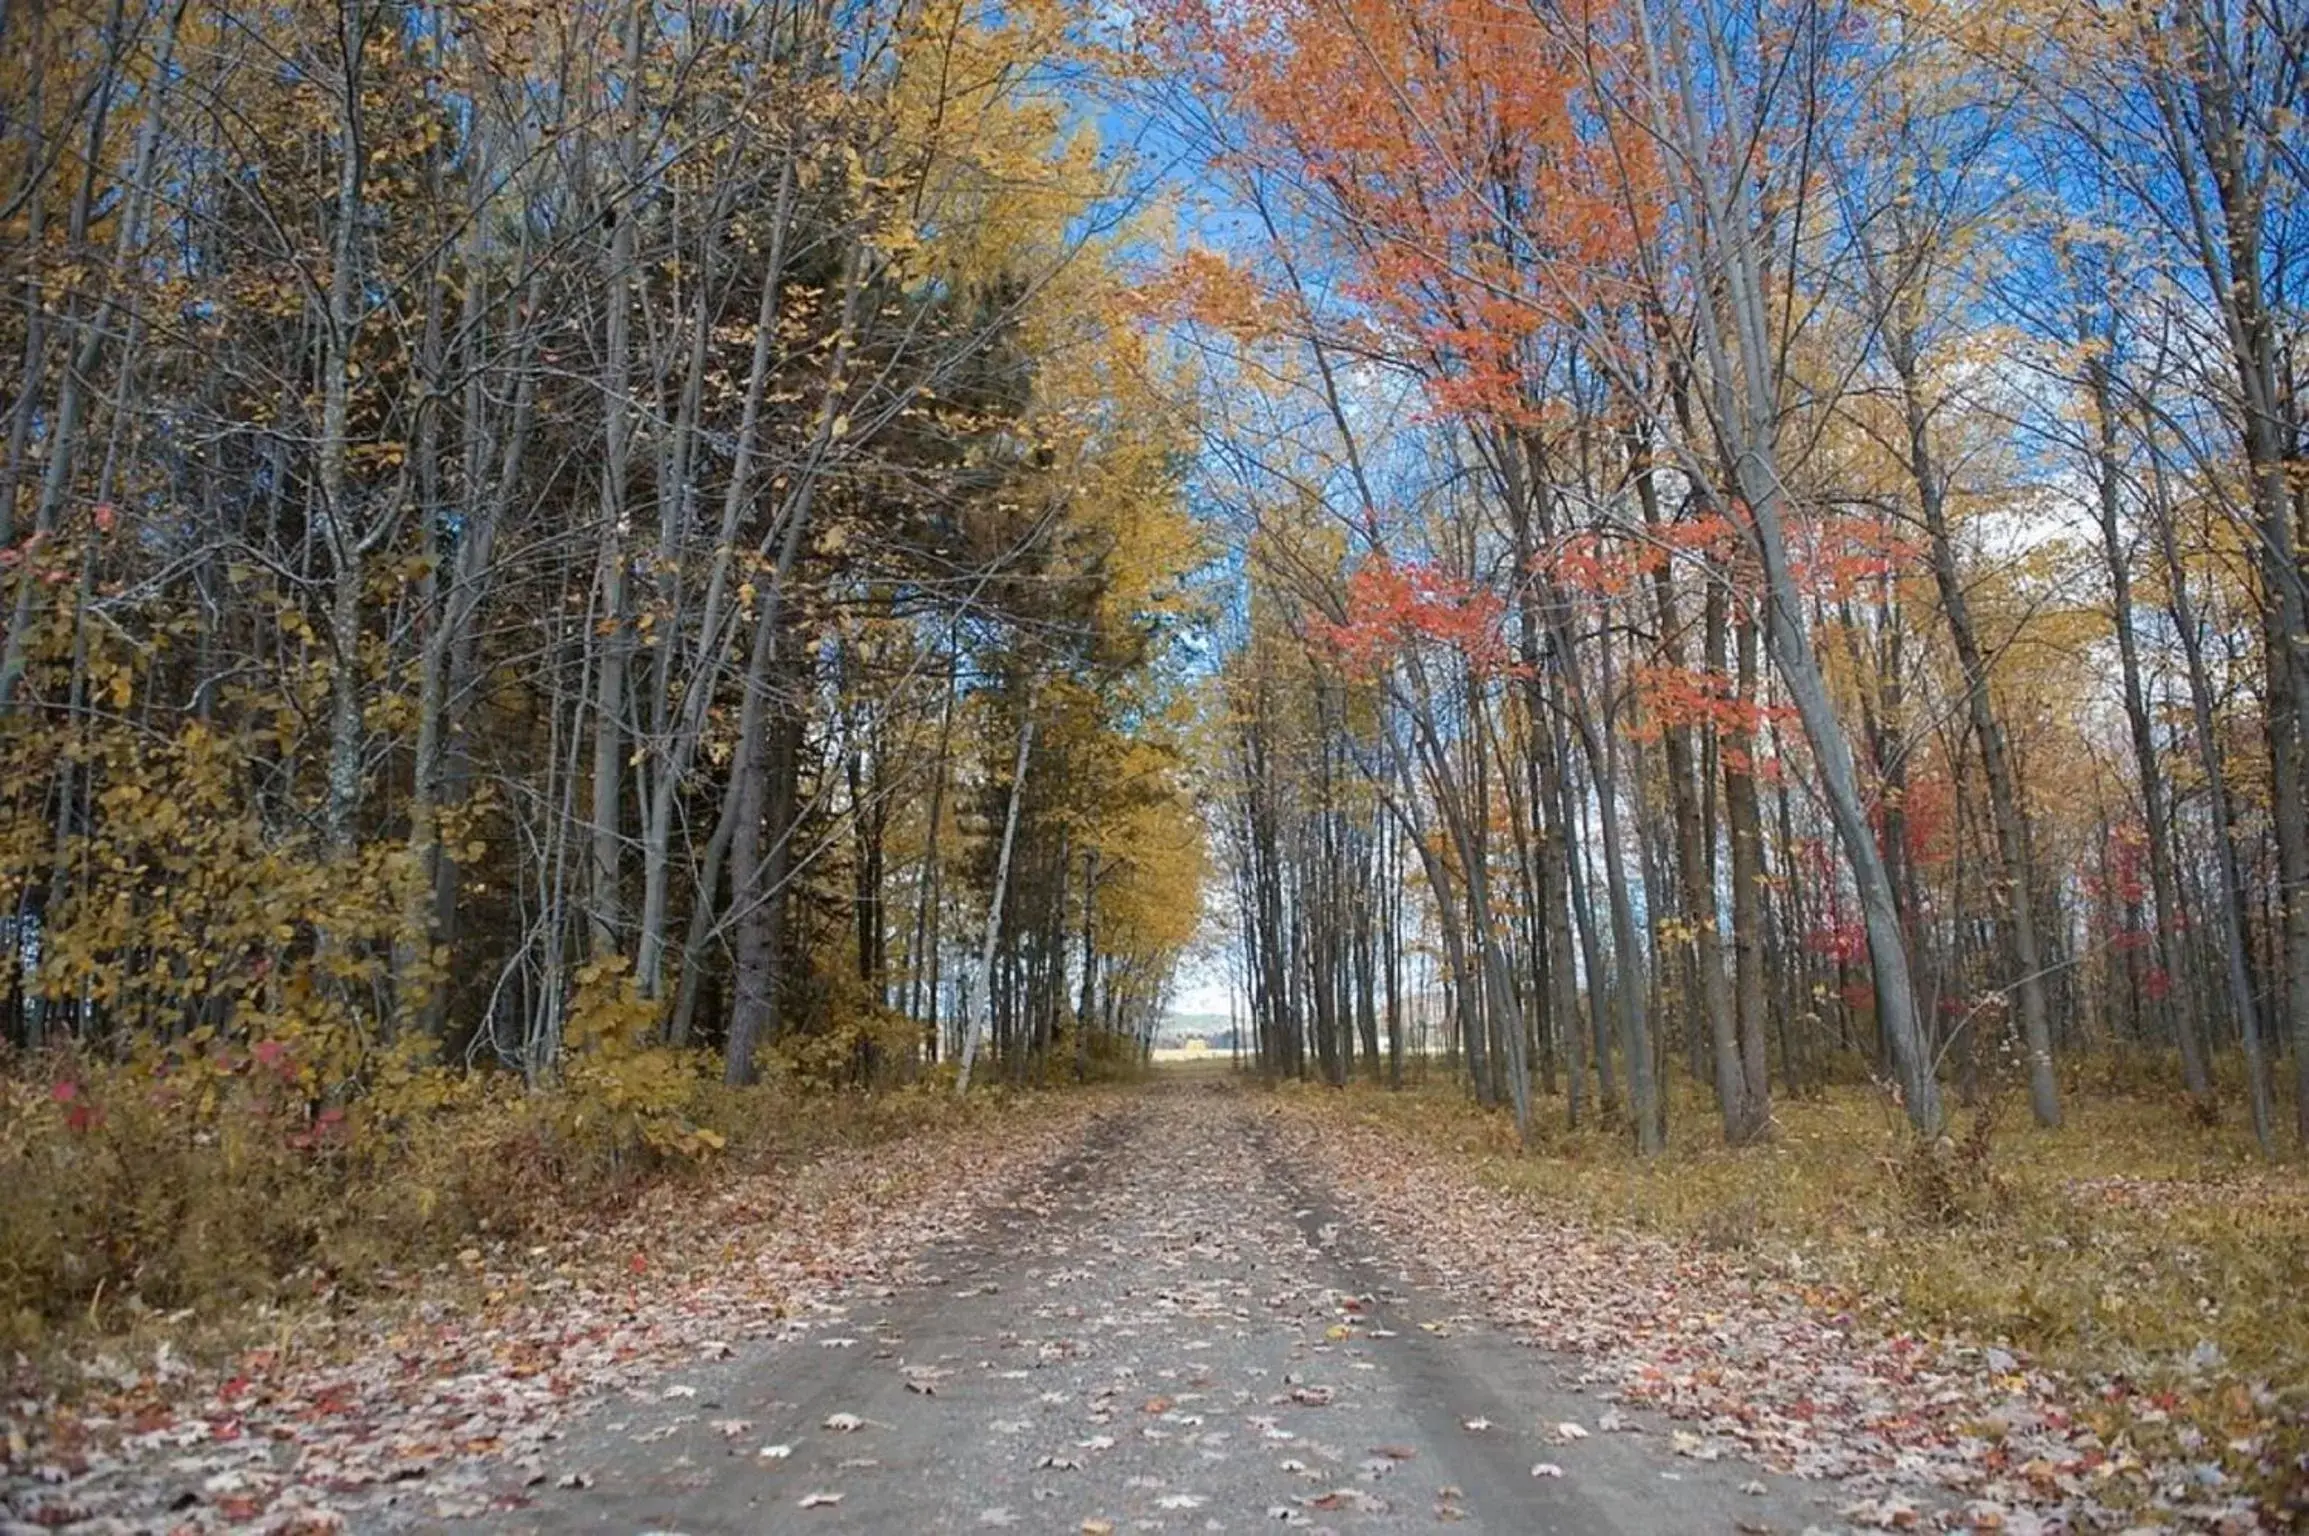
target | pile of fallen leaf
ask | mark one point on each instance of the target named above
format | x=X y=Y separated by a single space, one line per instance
x=429 y=1402
x=2259 y=1188
x=1922 y=1432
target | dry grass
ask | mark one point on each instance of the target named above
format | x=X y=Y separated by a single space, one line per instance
x=2157 y=1260
x=2131 y=1241
x=205 y=1223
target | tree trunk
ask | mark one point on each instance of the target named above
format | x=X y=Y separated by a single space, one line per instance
x=686 y=728
x=1746 y=825
x=2178 y=1002
x=2006 y=814
x=1718 y=208
x=2226 y=219
x=975 y=1039
x=1741 y=1124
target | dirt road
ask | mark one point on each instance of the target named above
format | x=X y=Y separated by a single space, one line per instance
x=1174 y=1331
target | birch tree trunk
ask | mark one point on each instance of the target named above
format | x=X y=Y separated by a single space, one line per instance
x=975 y=1039
x=604 y=821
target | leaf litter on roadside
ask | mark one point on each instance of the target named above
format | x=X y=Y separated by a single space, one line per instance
x=1921 y=1432
x=446 y=1402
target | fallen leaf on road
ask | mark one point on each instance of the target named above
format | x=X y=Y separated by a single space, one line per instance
x=474 y=1390
x=1688 y=1444
x=1749 y=1363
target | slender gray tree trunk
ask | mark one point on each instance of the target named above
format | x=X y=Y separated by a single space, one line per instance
x=975 y=1039
x=1717 y=209
x=604 y=820
x=2179 y=1004
x=2006 y=815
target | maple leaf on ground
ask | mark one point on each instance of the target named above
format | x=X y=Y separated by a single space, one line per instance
x=494 y=1387
x=1773 y=1375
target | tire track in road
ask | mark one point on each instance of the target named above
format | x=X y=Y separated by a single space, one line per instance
x=1171 y=1331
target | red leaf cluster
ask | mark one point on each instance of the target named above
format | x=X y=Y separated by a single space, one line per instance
x=1392 y=607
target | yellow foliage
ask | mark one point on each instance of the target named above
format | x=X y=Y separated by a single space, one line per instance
x=619 y=1089
x=1153 y=903
x=189 y=916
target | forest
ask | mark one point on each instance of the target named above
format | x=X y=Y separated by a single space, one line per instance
x=598 y=591
x=548 y=543
x=1772 y=542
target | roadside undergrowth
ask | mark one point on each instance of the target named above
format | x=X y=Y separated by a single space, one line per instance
x=437 y=1381
x=2156 y=1262
x=217 y=1192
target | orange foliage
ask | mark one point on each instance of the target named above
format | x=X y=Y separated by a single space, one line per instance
x=1481 y=176
x=1839 y=554
x=1391 y=606
x=1205 y=287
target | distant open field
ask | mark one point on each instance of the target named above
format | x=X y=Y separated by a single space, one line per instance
x=1192 y=1051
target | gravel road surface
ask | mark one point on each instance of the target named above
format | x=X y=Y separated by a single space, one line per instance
x=1175 y=1330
